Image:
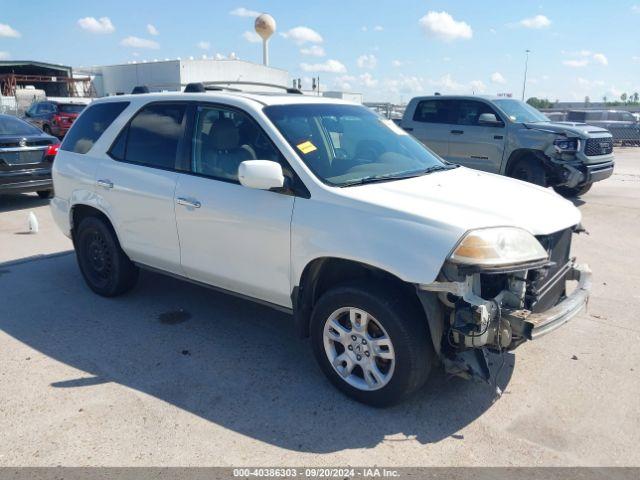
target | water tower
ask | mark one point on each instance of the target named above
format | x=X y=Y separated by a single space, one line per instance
x=265 y=27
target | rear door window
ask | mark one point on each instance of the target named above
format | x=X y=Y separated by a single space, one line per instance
x=90 y=126
x=433 y=111
x=153 y=136
x=70 y=108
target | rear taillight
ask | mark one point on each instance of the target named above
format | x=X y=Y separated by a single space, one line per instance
x=56 y=119
x=52 y=150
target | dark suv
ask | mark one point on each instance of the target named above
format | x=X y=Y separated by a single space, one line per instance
x=53 y=118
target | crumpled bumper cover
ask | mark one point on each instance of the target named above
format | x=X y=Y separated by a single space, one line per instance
x=534 y=325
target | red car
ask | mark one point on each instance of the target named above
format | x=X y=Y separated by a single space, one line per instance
x=53 y=118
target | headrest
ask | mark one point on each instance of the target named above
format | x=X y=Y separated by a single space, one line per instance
x=224 y=135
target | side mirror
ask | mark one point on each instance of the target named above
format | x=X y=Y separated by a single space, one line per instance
x=489 y=120
x=261 y=174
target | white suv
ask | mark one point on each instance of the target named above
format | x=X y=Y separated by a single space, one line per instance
x=389 y=258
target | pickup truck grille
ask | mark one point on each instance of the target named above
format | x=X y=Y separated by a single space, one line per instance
x=546 y=286
x=598 y=146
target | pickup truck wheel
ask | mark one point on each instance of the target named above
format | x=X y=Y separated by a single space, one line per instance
x=372 y=345
x=104 y=266
x=569 y=192
x=529 y=169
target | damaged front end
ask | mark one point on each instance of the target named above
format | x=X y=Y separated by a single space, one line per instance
x=486 y=302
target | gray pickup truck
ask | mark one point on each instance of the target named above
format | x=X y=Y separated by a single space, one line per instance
x=509 y=137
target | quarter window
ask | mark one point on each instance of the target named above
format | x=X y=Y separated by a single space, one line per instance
x=88 y=128
x=224 y=138
x=152 y=137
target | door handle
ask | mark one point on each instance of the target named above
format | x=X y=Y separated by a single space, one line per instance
x=457 y=132
x=105 y=183
x=188 y=203
x=498 y=137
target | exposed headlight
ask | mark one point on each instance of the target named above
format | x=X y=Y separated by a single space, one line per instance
x=498 y=246
x=567 y=145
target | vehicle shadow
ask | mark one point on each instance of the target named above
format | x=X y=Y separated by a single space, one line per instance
x=228 y=360
x=20 y=201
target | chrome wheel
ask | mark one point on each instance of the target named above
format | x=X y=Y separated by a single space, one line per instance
x=359 y=348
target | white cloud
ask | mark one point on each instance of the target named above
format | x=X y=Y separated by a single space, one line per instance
x=368 y=61
x=367 y=80
x=635 y=8
x=330 y=66
x=496 y=77
x=600 y=58
x=93 y=25
x=302 y=35
x=378 y=28
x=313 y=50
x=5 y=55
x=202 y=45
x=137 y=42
x=251 y=37
x=244 y=12
x=477 y=86
x=405 y=84
x=152 y=30
x=7 y=31
x=396 y=63
x=493 y=31
x=583 y=82
x=635 y=59
x=442 y=26
x=576 y=63
x=538 y=21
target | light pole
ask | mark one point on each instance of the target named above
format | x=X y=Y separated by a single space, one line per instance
x=526 y=63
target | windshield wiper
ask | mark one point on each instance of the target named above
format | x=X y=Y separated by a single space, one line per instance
x=398 y=176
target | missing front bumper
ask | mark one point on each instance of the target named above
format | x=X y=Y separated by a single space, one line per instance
x=534 y=325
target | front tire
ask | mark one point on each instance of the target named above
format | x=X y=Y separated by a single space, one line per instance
x=569 y=192
x=104 y=265
x=529 y=169
x=373 y=345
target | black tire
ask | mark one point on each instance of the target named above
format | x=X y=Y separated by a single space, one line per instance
x=529 y=169
x=569 y=192
x=47 y=129
x=104 y=266
x=44 y=194
x=406 y=326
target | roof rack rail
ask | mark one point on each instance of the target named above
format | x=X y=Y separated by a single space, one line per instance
x=222 y=85
x=139 y=89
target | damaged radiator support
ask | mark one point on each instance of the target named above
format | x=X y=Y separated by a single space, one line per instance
x=473 y=325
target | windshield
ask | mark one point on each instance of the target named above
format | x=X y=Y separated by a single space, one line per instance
x=348 y=144
x=520 y=112
x=70 y=108
x=14 y=126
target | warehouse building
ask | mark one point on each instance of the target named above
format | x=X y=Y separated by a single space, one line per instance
x=55 y=80
x=173 y=75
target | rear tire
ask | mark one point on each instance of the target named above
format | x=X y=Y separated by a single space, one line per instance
x=45 y=194
x=104 y=265
x=569 y=192
x=529 y=169
x=399 y=352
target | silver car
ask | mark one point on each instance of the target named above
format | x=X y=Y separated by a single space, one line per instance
x=510 y=137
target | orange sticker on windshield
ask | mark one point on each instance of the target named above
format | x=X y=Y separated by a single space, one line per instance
x=306 y=147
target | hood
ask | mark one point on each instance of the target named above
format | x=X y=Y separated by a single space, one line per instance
x=465 y=199
x=581 y=130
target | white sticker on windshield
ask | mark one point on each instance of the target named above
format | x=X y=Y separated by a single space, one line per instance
x=393 y=126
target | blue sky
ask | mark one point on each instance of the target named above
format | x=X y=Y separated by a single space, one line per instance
x=389 y=50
